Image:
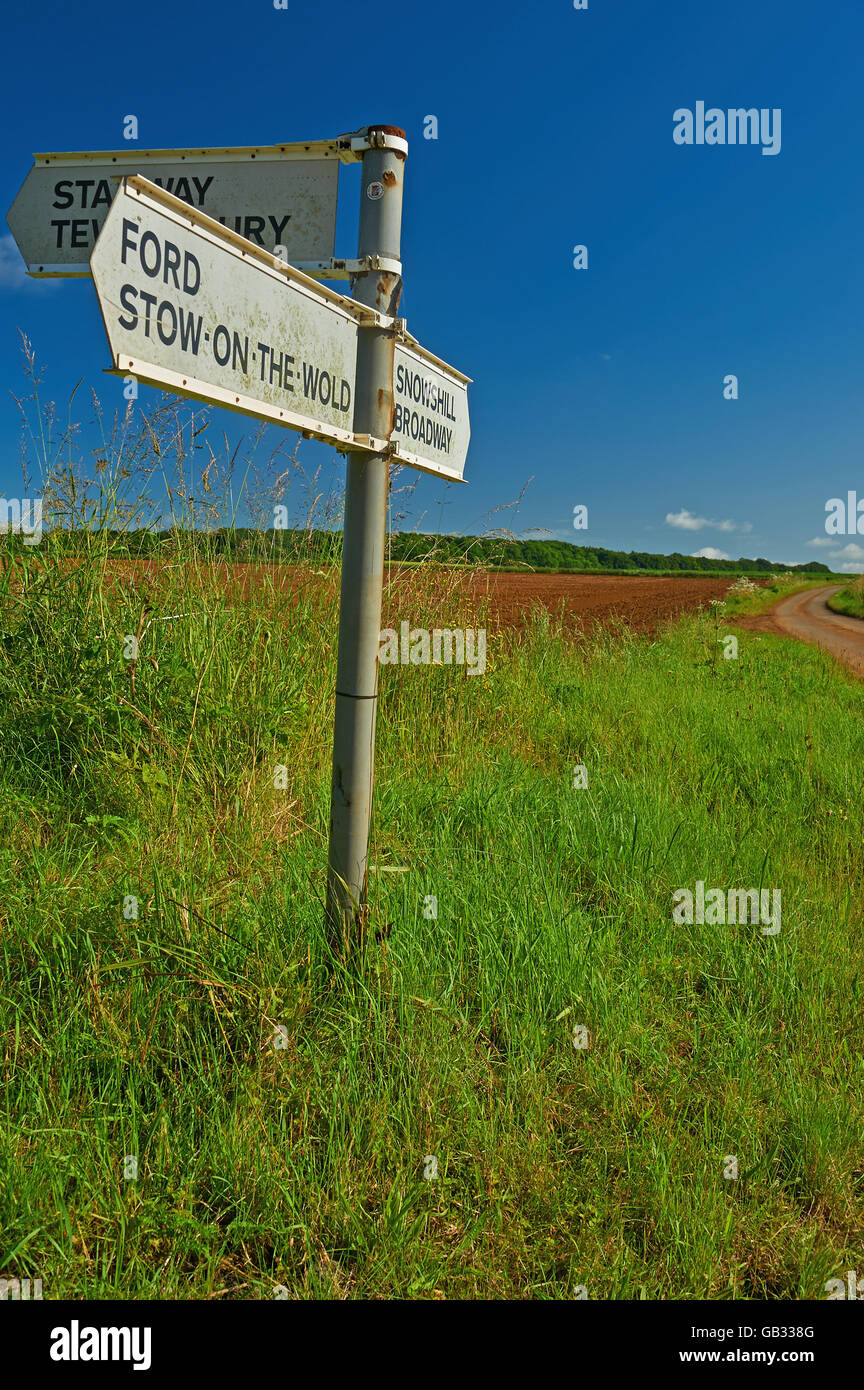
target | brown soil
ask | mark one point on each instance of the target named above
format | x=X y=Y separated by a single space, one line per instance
x=501 y=601
x=586 y=602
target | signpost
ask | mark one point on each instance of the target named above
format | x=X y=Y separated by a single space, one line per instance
x=194 y=300
x=192 y=307
x=364 y=531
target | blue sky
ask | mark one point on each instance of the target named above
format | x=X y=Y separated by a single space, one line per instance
x=555 y=128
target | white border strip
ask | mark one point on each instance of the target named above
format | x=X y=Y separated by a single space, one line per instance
x=423 y=465
x=264 y=154
x=153 y=375
x=160 y=201
x=409 y=344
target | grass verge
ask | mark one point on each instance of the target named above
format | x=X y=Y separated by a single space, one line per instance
x=421 y=1119
x=849 y=600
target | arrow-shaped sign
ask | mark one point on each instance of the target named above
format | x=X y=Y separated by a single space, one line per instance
x=190 y=306
x=273 y=195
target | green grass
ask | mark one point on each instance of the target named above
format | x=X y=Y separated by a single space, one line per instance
x=849 y=600
x=303 y=1165
x=746 y=598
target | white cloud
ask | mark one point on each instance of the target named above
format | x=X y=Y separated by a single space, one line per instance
x=686 y=521
x=820 y=541
x=853 y=568
x=709 y=553
x=850 y=552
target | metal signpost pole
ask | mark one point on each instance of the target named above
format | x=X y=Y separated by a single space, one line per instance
x=363 y=537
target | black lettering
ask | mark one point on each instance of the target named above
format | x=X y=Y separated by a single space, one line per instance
x=126 y=242
x=190 y=331
x=103 y=195
x=60 y=192
x=254 y=234
x=172 y=262
x=239 y=355
x=188 y=262
x=84 y=184
x=278 y=224
x=128 y=293
x=79 y=231
x=150 y=238
x=310 y=380
x=220 y=332
x=60 y=226
x=182 y=190
x=276 y=367
x=166 y=305
x=149 y=299
x=202 y=188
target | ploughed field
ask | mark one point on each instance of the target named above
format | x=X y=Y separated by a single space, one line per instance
x=595 y=600
x=584 y=602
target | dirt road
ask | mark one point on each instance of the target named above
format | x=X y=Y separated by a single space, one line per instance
x=808 y=617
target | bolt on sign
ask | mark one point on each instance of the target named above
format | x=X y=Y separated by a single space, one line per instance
x=276 y=195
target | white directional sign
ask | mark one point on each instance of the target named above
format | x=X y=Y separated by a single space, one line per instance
x=277 y=195
x=430 y=424
x=190 y=306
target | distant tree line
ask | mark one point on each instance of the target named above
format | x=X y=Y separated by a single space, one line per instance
x=246 y=543
x=561 y=556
